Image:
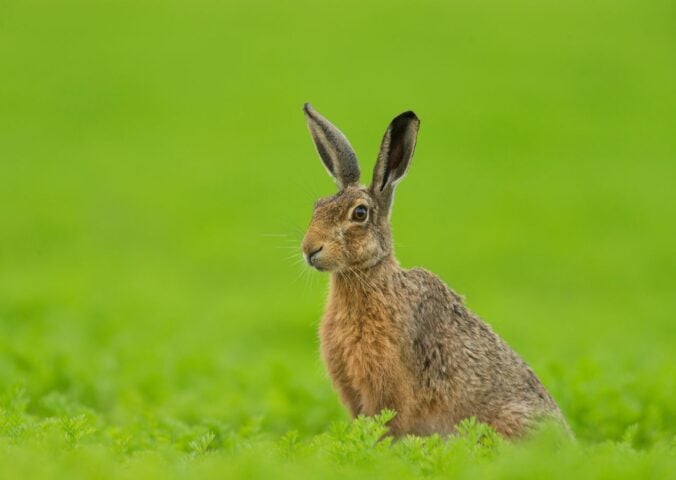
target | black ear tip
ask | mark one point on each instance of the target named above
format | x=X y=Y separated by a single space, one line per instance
x=307 y=107
x=410 y=115
x=406 y=117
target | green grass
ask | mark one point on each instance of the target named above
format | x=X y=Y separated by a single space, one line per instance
x=156 y=176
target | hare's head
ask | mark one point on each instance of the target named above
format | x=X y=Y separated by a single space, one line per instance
x=351 y=229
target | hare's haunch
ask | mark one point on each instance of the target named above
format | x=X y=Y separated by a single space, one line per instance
x=401 y=339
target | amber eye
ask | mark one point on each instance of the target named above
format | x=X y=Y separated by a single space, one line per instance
x=360 y=213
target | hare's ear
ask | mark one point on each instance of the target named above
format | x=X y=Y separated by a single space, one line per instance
x=395 y=155
x=333 y=148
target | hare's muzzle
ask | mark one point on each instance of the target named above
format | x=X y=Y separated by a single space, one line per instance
x=312 y=254
x=312 y=247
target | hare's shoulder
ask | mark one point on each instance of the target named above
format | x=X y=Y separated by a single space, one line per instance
x=428 y=288
x=439 y=312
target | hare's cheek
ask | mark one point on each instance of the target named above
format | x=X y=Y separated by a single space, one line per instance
x=363 y=247
x=357 y=251
x=353 y=239
x=373 y=248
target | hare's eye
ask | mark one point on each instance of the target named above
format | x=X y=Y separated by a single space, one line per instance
x=360 y=213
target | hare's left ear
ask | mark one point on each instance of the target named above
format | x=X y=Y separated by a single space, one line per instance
x=396 y=151
x=333 y=148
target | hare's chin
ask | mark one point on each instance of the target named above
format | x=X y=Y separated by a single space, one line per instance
x=319 y=267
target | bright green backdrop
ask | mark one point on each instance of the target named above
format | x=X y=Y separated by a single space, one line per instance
x=156 y=176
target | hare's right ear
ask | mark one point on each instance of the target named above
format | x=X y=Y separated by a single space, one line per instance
x=333 y=148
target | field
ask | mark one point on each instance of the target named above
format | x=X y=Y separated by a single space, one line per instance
x=156 y=177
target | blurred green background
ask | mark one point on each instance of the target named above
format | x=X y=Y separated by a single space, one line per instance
x=156 y=176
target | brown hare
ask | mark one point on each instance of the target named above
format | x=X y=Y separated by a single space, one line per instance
x=401 y=339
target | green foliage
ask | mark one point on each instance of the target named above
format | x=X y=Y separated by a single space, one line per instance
x=156 y=176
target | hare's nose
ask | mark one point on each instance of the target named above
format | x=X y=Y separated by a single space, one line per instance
x=312 y=256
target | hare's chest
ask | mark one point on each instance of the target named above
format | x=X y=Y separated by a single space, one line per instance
x=362 y=354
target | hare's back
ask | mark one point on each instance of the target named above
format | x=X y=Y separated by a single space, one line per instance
x=459 y=354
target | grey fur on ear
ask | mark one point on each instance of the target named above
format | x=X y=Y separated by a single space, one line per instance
x=333 y=148
x=396 y=151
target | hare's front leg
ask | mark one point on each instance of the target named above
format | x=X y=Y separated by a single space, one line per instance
x=389 y=399
x=349 y=397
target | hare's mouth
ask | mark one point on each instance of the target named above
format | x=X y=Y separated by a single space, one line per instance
x=318 y=266
x=314 y=258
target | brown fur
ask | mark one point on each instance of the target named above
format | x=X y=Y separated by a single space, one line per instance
x=401 y=339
